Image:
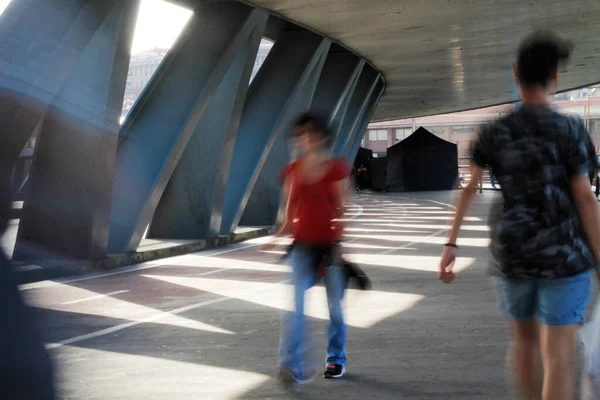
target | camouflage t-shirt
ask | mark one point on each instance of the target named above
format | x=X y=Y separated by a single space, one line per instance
x=534 y=152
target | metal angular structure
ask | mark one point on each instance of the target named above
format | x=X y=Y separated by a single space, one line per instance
x=200 y=152
x=71 y=183
x=284 y=86
x=158 y=130
x=202 y=146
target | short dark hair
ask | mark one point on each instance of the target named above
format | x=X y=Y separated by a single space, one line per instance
x=539 y=55
x=317 y=122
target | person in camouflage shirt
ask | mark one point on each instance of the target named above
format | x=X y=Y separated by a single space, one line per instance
x=545 y=236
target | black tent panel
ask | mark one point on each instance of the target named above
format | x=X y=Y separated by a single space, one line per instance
x=378 y=173
x=395 y=168
x=422 y=162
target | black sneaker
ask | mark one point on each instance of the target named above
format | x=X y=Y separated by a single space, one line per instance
x=334 y=371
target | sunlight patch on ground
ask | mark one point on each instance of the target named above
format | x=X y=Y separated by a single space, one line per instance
x=415 y=263
x=267 y=239
x=355 y=245
x=387 y=230
x=467 y=242
x=434 y=218
x=363 y=309
x=119 y=308
x=235 y=264
x=140 y=376
x=379 y=220
x=478 y=228
x=384 y=214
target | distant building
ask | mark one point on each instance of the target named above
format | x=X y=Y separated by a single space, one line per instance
x=141 y=68
x=462 y=127
x=263 y=50
x=143 y=65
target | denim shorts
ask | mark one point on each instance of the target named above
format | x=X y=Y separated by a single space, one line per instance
x=554 y=301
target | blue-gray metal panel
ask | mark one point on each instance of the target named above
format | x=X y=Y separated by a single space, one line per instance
x=277 y=94
x=67 y=206
x=364 y=84
x=162 y=122
x=186 y=209
x=362 y=127
x=41 y=42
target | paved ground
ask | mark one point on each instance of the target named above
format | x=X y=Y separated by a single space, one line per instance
x=206 y=325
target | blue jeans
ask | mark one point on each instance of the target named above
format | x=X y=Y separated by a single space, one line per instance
x=304 y=274
x=554 y=301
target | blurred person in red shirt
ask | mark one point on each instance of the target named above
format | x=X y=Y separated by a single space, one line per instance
x=315 y=188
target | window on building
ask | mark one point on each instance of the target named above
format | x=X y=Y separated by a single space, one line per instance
x=464 y=130
x=595 y=127
x=382 y=135
x=403 y=133
x=437 y=130
x=378 y=135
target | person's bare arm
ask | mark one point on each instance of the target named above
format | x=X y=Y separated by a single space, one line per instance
x=288 y=217
x=464 y=203
x=287 y=220
x=588 y=211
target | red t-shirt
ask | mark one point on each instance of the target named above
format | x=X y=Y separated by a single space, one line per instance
x=315 y=205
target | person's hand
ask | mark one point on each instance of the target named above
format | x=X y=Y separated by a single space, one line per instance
x=268 y=245
x=445 y=273
x=284 y=229
x=338 y=226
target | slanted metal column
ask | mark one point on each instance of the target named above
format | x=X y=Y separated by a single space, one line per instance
x=356 y=108
x=361 y=128
x=67 y=207
x=333 y=93
x=41 y=42
x=184 y=211
x=355 y=134
x=283 y=87
x=171 y=110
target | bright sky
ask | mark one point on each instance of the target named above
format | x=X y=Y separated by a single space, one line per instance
x=159 y=23
x=3 y=4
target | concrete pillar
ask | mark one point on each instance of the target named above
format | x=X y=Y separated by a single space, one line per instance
x=283 y=87
x=171 y=109
x=67 y=206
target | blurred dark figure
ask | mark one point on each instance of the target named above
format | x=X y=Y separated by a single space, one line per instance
x=361 y=173
x=597 y=173
x=25 y=369
x=546 y=233
x=492 y=180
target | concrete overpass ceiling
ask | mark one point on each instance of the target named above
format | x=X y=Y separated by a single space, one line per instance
x=443 y=56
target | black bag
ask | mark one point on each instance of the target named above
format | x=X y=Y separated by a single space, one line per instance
x=326 y=256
